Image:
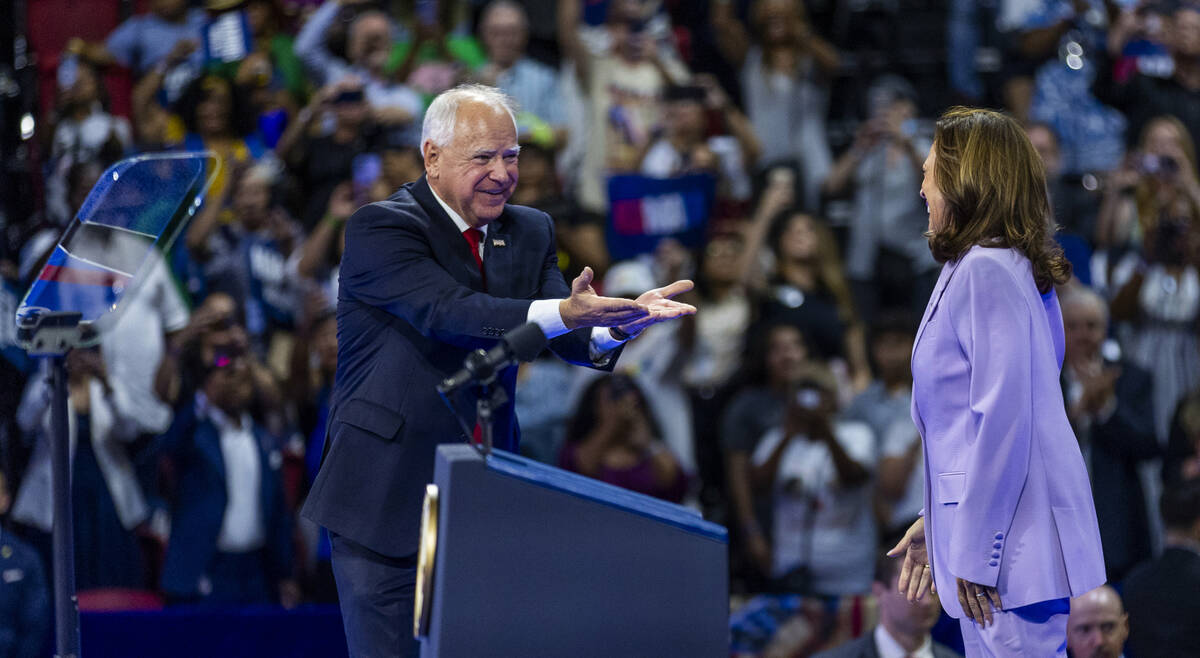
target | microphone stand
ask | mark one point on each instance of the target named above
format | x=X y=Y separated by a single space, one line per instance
x=488 y=398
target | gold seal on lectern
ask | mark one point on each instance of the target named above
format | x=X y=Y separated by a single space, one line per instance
x=426 y=553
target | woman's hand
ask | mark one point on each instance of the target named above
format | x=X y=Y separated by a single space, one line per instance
x=977 y=601
x=916 y=576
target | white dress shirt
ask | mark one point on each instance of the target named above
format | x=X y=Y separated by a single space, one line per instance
x=242 y=527
x=888 y=647
x=542 y=312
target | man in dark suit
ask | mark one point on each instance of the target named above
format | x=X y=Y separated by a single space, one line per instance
x=904 y=625
x=231 y=538
x=1161 y=595
x=1112 y=414
x=442 y=267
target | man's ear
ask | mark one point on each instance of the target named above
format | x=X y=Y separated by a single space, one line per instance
x=432 y=156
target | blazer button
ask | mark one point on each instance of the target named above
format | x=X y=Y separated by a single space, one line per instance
x=993 y=563
x=996 y=554
x=999 y=535
x=997 y=545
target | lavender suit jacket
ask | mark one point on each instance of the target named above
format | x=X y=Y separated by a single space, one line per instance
x=1007 y=499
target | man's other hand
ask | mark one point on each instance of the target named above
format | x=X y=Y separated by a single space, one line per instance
x=660 y=306
x=584 y=308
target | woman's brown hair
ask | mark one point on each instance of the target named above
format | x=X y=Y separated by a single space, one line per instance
x=827 y=265
x=994 y=187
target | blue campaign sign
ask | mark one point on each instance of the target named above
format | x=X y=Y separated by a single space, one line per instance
x=139 y=205
x=644 y=210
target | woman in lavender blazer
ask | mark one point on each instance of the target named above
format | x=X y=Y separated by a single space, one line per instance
x=1009 y=530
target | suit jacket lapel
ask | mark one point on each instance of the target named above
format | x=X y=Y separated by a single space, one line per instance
x=208 y=443
x=498 y=258
x=444 y=230
x=935 y=298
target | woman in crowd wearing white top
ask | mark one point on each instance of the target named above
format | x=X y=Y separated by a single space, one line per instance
x=820 y=471
x=108 y=501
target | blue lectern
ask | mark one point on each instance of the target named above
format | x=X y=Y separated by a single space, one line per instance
x=523 y=559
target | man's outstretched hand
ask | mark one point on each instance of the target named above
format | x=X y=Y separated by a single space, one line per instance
x=584 y=308
x=661 y=307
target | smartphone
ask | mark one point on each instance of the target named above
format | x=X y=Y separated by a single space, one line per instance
x=68 y=72
x=808 y=399
x=366 y=169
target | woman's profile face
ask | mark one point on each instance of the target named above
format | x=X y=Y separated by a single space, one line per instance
x=935 y=205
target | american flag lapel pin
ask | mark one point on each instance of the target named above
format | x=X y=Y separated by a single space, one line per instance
x=498 y=242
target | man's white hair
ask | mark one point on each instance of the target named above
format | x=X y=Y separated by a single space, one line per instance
x=438 y=126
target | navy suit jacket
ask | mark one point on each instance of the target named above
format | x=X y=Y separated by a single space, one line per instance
x=411 y=306
x=1118 y=446
x=194 y=445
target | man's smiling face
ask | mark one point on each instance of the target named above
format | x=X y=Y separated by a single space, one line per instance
x=477 y=172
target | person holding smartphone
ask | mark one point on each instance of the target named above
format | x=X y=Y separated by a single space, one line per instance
x=819 y=471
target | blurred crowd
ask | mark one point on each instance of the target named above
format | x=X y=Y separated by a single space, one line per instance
x=781 y=410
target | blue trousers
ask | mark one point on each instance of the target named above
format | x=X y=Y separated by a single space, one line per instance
x=376 y=594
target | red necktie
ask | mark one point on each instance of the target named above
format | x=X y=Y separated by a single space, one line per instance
x=473 y=237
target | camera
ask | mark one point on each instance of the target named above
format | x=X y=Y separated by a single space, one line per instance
x=1163 y=166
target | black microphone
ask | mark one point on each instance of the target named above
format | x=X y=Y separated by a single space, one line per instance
x=521 y=344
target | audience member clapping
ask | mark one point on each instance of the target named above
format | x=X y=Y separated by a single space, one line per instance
x=1109 y=405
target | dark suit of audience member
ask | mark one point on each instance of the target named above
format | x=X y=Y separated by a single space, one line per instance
x=1182 y=458
x=1114 y=445
x=230 y=531
x=904 y=626
x=1112 y=413
x=1163 y=595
